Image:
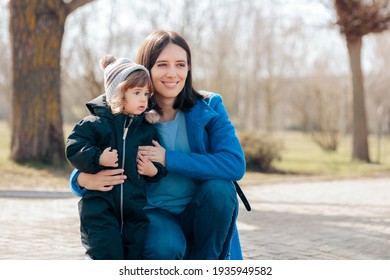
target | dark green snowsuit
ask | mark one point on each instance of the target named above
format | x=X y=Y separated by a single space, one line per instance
x=113 y=224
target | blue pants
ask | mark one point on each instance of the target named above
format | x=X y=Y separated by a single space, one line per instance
x=205 y=229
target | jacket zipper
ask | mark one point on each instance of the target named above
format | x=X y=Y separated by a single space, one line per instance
x=125 y=131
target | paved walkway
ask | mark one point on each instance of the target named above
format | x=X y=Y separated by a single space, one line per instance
x=319 y=220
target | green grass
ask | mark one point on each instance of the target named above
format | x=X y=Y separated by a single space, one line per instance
x=301 y=159
x=302 y=155
x=31 y=176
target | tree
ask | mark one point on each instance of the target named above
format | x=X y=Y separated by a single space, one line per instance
x=5 y=73
x=37 y=29
x=357 y=18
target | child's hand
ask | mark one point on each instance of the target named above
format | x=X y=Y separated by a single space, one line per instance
x=145 y=166
x=109 y=158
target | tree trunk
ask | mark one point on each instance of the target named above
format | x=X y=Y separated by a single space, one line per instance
x=359 y=133
x=37 y=29
x=269 y=105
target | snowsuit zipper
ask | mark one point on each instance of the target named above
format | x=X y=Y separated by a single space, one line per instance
x=125 y=131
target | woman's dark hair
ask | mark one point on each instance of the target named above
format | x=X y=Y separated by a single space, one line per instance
x=147 y=56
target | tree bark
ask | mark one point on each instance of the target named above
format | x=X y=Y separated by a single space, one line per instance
x=359 y=127
x=37 y=29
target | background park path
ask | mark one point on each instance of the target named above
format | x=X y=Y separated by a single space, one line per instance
x=329 y=220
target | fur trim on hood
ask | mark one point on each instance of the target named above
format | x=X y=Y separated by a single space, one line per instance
x=152 y=116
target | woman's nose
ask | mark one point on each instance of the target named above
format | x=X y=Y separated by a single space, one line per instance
x=171 y=72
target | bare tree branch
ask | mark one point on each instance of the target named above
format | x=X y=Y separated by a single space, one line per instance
x=357 y=18
x=75 y=4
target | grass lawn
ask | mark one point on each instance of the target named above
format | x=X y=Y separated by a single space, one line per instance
x=301 y=159
x=302 y=155
x=33 y=176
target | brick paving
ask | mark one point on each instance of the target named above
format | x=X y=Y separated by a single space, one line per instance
x=336 y=220
x=333 y=220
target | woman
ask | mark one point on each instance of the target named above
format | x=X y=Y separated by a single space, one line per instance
x=192 y=210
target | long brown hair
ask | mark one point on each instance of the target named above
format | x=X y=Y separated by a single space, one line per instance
x=147 y=56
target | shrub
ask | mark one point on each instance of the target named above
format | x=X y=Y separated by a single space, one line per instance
x=260 y=151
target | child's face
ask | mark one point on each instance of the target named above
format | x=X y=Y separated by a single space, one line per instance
x=136 y=100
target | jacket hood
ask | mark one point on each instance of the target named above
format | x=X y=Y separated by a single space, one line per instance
x=99 y=107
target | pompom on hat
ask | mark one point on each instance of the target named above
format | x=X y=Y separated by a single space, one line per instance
x=116 y=71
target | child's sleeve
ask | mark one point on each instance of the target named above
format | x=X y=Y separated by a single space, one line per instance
x=81 y=150
x=161 y=173
x=161 y=170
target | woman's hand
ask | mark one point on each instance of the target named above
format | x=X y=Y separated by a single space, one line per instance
x=103 y=181
x=154 y=153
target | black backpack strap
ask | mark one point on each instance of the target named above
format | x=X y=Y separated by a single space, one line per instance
x=242 y=196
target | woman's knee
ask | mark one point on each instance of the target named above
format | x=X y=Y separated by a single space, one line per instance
x=218 y=189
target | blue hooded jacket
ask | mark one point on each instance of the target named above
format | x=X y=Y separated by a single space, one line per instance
x=216 y=150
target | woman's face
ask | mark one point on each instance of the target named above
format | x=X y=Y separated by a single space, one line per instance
x=170 y=71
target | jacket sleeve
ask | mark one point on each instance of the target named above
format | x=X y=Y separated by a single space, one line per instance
x=219 y=156
x=74 y=186
x=161 y=173
x=161 y=170
x=81 y=150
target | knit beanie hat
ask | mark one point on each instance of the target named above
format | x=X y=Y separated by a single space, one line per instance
x=116 y=71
